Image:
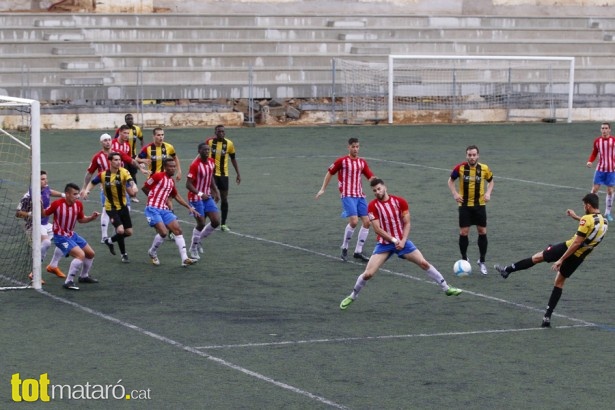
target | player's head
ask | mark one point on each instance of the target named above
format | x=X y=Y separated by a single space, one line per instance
x=592 y=202
x=203 y=150
x=378 y=188
x=43 y=179
x=605 y=129
x=219 y=131
x=169 y=165
x=105 y=141
x=124 y=132
x=71 y=193
x=472 y=154
x=158 y=134
x=129 y=120
x=353 y=147
x=115 y=159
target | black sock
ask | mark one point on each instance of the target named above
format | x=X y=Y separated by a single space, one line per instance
x=521 y=265
x=556 y=293
x=482 y=246
x=463 y=246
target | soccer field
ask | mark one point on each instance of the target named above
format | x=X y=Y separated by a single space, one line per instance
x=256 y=323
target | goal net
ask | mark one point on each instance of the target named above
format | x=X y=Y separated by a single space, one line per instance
x=364 y=89
x=20 y=250
x=432 y=88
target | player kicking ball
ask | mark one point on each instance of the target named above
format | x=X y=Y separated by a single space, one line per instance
x=390 y=218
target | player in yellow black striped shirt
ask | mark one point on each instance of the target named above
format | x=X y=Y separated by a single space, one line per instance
x=116 y=182
x=567 y=256
x=475 y=186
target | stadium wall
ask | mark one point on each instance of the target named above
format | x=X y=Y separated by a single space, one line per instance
x=432 y=7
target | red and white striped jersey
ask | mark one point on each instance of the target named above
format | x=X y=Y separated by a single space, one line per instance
x=349 y=171
x=65 y=216
x=605 y=147
x=390 y=215
x=99 y=163
x=161 y=187
x=201 y=174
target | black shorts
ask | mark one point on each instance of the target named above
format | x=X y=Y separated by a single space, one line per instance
x=133 y=171
x=221 y=182
x=553 y=252
x=120 y=217
x=472 y=215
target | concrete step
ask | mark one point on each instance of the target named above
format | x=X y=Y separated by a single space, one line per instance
x=73 y=51
x=343 y=20
x=63 y=37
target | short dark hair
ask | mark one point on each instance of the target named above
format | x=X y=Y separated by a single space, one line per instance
x=43 y=172
x=352 y=140
x=201 y=146
x=71 y=185
x=375 y=182
x=127 y=116
x=592 y=200
x=218 y=126
x=124 y=127
x=473 y=147
x=167 y=160
x=113 y=154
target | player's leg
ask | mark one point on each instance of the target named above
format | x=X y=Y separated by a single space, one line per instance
x=349 y=210
x=85 y=277
x=550 y=254
x=464 y=231
x=170 y=221
x=199 y=217
x=412 y=254
x=378 y=258
x=363 y=232
x=154 y=219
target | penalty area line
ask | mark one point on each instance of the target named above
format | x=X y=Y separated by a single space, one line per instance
x=386 y=337
x=193 y=350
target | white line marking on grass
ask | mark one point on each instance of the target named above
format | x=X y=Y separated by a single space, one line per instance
x=408 y=276
x=495 y=177
x=386 y=337
x=182 y=346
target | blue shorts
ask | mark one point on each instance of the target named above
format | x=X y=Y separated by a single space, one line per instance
x=390 y=248
x=204 y=206
x=66 y=243
x=155 y=215
x=604 y=178
x=353 y=206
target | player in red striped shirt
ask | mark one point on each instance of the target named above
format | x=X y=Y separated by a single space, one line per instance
x=160 y=188
x=390 y=217
x=66 y=213
x=202 y=195
x=349 y=169
x=98 y=164
x=604 y=146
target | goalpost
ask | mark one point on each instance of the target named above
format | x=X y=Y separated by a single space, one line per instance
x=502 y=87
x=20 y=249
x=449 y=88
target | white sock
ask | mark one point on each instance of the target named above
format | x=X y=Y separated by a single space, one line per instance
x=75 y=269
x=156 y=244
x=348 y=232
x=609 y=204
x=207 y=231
x=361 y=240
x=196 y=237
x=45 y=244
x=437 y=277
x=104 y=223
x=181 y=245
x=358 y=286
x=87 y=265
x=55 y=259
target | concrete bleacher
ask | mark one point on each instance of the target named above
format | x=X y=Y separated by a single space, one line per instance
x=85 y=57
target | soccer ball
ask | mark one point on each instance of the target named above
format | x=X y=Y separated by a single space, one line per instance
x=462 y=268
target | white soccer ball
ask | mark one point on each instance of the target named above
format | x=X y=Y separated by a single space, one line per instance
x=462 y=268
